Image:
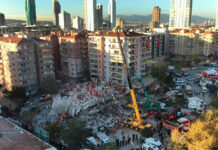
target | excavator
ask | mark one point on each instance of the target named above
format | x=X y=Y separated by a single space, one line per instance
x=136 y=122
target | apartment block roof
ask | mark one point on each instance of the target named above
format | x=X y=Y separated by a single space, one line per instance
x=13 y=39
x=13 y=137
x=122 y=34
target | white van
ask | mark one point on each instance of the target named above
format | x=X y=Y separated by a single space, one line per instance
x=180 y=83
x=204 y=89
x=103 y=137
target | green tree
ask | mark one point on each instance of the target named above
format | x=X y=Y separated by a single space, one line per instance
x=16 y=92
x=74 y=133
x=169 y=80
x=109 y=147
x=214 y=103
x=202 y=134
x=160 y=72
x=196 y=59
x=54 y=131
x=147 y=132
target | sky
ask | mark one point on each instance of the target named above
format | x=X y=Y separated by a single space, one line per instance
x=14 y=9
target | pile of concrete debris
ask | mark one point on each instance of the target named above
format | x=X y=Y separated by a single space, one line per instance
x=97 y=103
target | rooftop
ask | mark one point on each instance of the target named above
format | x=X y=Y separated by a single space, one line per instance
x=13 y=137
x=13 y=39
x=122 y=34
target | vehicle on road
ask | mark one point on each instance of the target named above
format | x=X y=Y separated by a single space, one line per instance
x=204 y=90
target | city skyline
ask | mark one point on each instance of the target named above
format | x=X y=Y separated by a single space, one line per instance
x=75 y=8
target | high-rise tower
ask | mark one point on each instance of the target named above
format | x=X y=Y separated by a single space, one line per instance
x=155 y=23
x=217 y=17
x=90 y=14
x=180 y=13
x=56 y=10
x=2 y=19
x=99 y=15
x=112 y=13
x=30 y=9
x=85 y=14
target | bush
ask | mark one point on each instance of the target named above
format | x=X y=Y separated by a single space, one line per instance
x=147 y=132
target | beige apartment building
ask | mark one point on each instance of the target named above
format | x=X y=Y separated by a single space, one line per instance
x=74 y=54
x=120 y=22
x=193 y=41
x=105 y=60
x=24 y=62
x=18 y=63
x=44 y=60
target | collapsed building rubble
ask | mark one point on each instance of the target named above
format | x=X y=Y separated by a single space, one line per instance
x=96 y=103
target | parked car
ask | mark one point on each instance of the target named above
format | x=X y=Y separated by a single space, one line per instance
x=204 y=90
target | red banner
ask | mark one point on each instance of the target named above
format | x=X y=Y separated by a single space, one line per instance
x=158 y=42
x=148 y=44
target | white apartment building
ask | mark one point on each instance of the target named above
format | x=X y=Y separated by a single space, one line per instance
x=90 y=11
x=65 y=20
x=180 y=13
x=77 y=23
x=112 y=13
x=105 y=60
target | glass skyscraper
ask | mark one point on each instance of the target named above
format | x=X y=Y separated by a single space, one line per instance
x=30 y=9
x=56 y=11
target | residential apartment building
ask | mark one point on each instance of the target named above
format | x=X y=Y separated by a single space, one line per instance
x=193 y=41
x=25 y=62
x=53 y=39
x=74 y=54
x=120 y=22
x=44 y=60
x=180 y=13
x=105 y=60
x=18 y=63
x=65 y=20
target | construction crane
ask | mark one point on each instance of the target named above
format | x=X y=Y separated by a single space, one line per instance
x=137 y=122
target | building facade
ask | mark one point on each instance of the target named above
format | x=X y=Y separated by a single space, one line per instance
x=112 y=13
x=53 y=38
x=2 y=19
x=180 y=13
x=120 y=22
x=18 y=63
x=25 y=62
x=30 y=8
x=99 y=15
x=90 y=15
x=44 y=60
x=65 y=20
x=74 y=54
x=192 y=42
x=56 y=10
x=105 y=60
x=77 y=23
x=155 y=23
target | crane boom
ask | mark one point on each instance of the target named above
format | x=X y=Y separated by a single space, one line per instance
x=135 y=106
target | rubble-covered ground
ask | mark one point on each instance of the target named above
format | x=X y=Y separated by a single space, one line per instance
x=99 y=104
